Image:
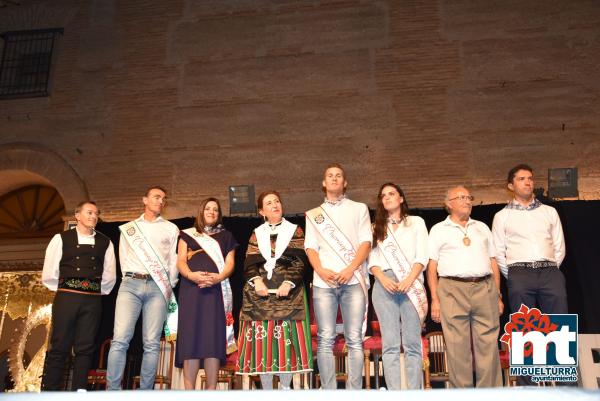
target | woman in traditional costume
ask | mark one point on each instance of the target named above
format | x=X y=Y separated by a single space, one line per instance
x=274 y=336
x=205 y=258
x=397 y=260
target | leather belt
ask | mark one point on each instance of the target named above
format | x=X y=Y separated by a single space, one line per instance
x=538 y=264
x=468 y=279
x=139 y=276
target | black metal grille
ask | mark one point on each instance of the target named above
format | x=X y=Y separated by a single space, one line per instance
x=26 y=62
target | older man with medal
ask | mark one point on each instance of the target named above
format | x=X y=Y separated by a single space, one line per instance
x=466 y=296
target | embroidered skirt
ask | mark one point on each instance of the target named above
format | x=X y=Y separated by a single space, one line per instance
x=274 y=346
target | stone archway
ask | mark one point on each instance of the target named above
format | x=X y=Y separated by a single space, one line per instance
x=26 y=164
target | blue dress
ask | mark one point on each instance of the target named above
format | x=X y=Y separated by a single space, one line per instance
x=201 y=320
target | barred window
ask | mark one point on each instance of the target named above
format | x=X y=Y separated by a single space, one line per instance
x=26 y=61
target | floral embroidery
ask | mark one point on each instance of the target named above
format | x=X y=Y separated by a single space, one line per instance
x=81 y=284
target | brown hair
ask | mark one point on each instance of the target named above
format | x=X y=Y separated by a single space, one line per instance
x=263 y=195
x=513 y=171
x=334 y=165
x=80 y=206
x=381 y=215
x=155 y=187
x=200 y=223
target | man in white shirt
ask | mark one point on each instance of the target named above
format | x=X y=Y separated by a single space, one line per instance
x=338 y=241
x=530 y=247
x=139 y=292
x=466 y=297
x=80 y=266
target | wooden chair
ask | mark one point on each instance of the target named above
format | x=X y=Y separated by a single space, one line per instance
x=504 y=354
x=97 y=376
x=225 y=375
x=373 y=347
x=437 y=371
x=164 y=372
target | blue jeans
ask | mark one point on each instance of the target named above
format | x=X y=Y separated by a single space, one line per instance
x=136 y=296
x=400 y=324
x=352 y=302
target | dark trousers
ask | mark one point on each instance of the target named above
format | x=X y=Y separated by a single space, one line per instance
x=541 y=288
x=75 y=322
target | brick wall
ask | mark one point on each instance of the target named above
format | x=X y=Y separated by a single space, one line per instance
x=198 y=95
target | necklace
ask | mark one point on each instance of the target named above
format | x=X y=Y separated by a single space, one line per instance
x=210 y=230
x=392 y=220
x=466 y=240
x=274 y=226
x=337 y=201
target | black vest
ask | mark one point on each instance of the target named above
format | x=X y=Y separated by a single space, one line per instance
x=81 y=260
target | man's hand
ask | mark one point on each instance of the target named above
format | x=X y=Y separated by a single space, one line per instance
x=329 y=276
x=435 y=311
x=500 y=306
x=345 y=275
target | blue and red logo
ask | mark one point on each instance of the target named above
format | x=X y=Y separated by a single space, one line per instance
x=543 y=346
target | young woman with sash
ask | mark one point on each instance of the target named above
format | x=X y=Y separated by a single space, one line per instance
x=274 y=335
x=397 y=260
x=205 y=258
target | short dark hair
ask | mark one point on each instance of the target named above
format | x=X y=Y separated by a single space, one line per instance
x=334 y=165
x=513 y=171
x=200 y=223
x=263 y=195
x=80 y=205
x=155 y=187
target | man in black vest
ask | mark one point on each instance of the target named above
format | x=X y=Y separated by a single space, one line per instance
x=79 y=266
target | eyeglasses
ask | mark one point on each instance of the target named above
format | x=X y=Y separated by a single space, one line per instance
x=463 y=198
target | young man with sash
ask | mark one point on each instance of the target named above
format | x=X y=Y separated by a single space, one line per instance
x=397 y=261
x=338 y=241
x=466 y=298
x=80 y=266
x=149 y=266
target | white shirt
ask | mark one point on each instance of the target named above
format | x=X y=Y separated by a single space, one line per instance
x=411 y=236
x=454 y=258
x=162 y=235
x=352 y=218
x=54 y=252
x=528 y=236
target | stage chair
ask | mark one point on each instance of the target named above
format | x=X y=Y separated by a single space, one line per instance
x=164 y=372
x=97 y=376
x=437 y=371
x=373 y=346
x=225 y=375
x=509 y=380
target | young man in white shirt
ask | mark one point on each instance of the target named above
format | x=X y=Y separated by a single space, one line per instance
x=530 y=247
x=466 y=297
x=338 y=241
x=140 y=293
x=80 y=266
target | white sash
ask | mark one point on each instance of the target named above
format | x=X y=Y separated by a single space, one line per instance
x=157 y=269
x=400 y=265
x=342 y=247
x=213 y=250
x=285 y=233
